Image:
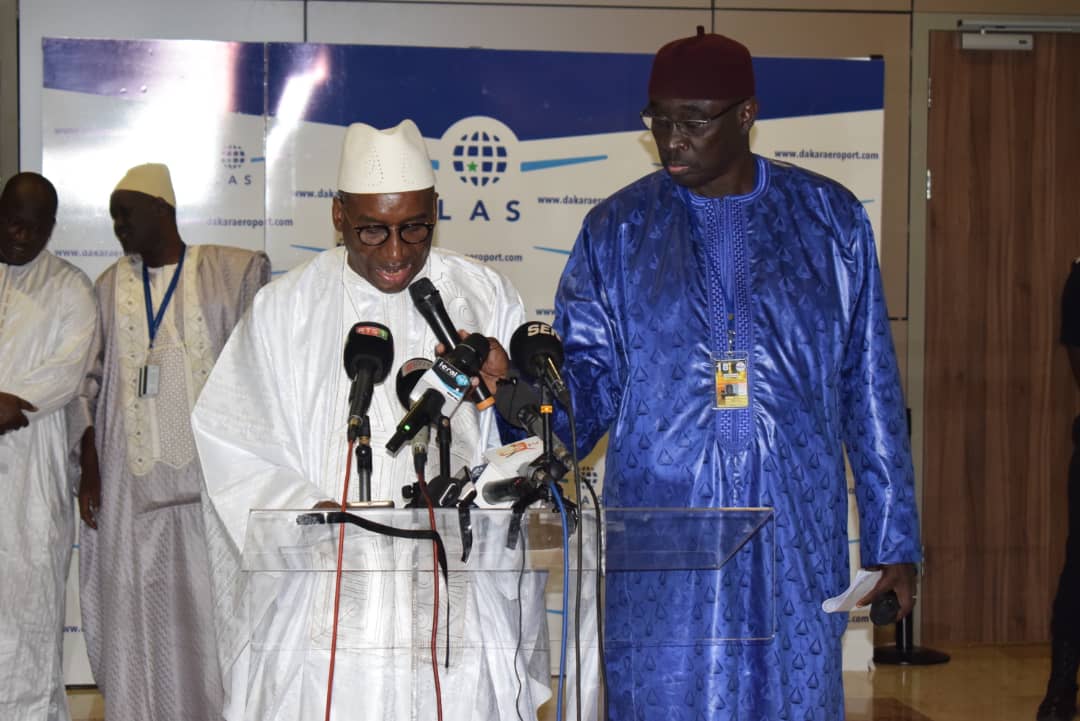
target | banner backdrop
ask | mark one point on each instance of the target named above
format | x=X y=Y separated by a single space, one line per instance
x=523 y=144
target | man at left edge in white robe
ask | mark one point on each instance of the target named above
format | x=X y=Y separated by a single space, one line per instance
x=48 y=328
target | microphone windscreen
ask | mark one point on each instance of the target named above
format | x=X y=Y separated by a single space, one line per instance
x=372 y=345
x=468 y=356
x=511 y=396
x=531 y=343
x=408 y=376
x=421 y=290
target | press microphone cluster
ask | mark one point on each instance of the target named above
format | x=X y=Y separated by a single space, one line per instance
x=520 y=471
x=449 y=379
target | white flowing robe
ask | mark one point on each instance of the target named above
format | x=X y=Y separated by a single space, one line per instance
x=143 y=574
x=48 y=325
x=271 y=432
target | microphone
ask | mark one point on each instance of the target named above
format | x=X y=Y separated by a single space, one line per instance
x=504 y=492
x=448 y=379
x=408 y=376
x=519 y=405
x=513 y=471
x=537 y=351
x=369 y=350
x=884 y=610
x=451 y=374
x=421 y=414
x=429 y=302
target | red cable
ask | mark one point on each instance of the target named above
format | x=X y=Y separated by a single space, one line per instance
x=337 y=582
x=435 y=601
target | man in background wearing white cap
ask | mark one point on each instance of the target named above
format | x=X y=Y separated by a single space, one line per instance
x=167 y=309
x=271 y=432
x=48 y=323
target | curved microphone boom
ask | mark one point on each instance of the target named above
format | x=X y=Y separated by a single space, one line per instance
x=448 y=380
x=429 y=303
x=369 y=351
x=535 y=348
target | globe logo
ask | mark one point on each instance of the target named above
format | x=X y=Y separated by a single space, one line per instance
x=232 y=157
x=479 y=158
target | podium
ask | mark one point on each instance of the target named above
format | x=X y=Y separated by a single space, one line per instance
x=498 y=638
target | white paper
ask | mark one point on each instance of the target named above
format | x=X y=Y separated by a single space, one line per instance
x=864 y=581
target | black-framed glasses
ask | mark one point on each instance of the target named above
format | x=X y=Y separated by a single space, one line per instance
x=692 y=127
x=376 y=234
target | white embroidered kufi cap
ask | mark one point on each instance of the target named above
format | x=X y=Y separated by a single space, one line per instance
x=152 y=179
x=394 y=160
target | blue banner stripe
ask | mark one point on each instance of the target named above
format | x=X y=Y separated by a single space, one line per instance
x=530 y=165
x=537 y=94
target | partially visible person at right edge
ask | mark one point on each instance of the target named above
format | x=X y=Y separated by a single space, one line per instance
x=1060 y=701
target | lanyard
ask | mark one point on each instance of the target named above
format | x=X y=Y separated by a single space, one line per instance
x=153 y=322
x=727 y=290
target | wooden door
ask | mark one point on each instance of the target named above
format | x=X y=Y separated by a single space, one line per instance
x=1003 y=225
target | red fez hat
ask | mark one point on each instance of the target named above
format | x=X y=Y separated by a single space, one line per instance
x=702 y=67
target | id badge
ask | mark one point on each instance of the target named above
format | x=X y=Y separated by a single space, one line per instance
x=149 y=380
x=732 y=374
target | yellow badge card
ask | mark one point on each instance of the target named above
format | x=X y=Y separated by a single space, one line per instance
x=732 y=372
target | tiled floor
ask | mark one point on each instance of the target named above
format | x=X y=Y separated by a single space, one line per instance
x=980 y=683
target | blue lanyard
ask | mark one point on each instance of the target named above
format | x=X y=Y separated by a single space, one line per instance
x=727 y=281
x=153 y=322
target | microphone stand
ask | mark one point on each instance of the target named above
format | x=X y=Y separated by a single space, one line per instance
x=363 y=460
x=361 y=433
x=547 y=463
x=442 y=438
x=440 y=486
x=546 y=408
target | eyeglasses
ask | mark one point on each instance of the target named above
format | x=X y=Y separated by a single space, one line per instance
x=694 y=127
x=377 y=234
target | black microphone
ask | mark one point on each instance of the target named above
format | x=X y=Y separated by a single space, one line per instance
x=506 y=490
x=452 y=373
x=536 y=350
x=369 y=351
x=421 y=414
x=885 y=609
x=428 y=301
x=519 y=405
x=408 y=376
